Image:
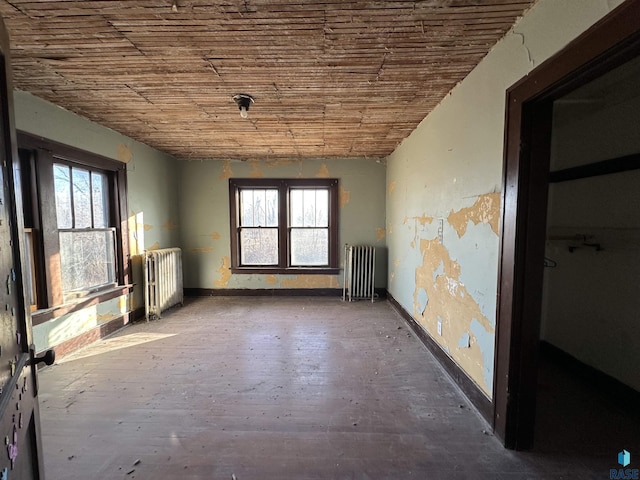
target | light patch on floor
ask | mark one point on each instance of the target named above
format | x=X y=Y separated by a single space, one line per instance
x=225 y=273
x=115 y=343
x=323 y=171
x=227 y=172
x=311 y=281
x=486 y=209
x=444 y=307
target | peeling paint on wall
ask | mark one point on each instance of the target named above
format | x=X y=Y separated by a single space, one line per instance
x=256 y=170
x=441 y=297
x=227 y=172
x=345 y=197
x=485 y=210
x=311 y=281
x=392 y=187
x=225 y=273
x=124 y=153
x=422 y=220
x=215 y=236
x=154 y=246
x=323 y=171
x=380 y=233
x=169 y=225
x=148 y=227
x=201 y=249
x=271 y=279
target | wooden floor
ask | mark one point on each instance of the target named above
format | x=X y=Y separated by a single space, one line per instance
x=272 y=388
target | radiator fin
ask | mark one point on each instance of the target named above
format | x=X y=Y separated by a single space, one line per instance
x=359 y=272
x=162 y=281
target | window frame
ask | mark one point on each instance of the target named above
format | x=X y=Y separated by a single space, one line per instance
x=38 y=185
x=284 y=185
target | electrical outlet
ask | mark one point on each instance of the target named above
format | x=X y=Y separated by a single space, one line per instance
x=440 y=326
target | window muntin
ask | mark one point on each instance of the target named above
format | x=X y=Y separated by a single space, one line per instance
x=281 y=225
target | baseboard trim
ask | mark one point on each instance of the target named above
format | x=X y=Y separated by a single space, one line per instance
x=270 y=292
x=468 y=386
x=96 y=333
x=624 y=394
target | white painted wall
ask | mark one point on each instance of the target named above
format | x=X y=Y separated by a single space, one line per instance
x=451 y=164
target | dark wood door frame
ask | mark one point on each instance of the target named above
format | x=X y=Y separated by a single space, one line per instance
x=608 y=44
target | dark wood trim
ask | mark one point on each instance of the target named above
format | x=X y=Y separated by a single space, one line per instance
x=608 y=44
x=381 y=293
x=262 y=292
x=287 y=271
x=283 y=185
x=468 y=386
x=68 y=153
x=91 y=336
x=41 y=316
x=596 y=169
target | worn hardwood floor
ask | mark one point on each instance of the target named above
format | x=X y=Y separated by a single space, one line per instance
x=271 y=388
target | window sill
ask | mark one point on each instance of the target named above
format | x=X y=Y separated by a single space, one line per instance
x=287 y=271
x=45 y=314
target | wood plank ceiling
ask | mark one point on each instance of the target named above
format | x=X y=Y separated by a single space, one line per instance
x=330 y=78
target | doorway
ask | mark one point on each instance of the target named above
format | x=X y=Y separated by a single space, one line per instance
x=612 y=42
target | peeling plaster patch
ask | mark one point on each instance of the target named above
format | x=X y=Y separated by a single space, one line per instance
x=380 y=233
x=390 y=229
x=448 y=299
x=345 y=197
x=486 y=342
x=105 y=317
x=397 y=262
x=311 y=281
x=422 y=220
x=423 y=300
x=225 y=273
x=124 y=153
x=465 y=340
x=227 y=173
x=392 y=187
x=154 y=246
x=169 y=225
x=271 y=279
x=438 y=271
x=485 y=210
x=148 y=227
x=323 y=171
x=201 y=249
x=256 y=170
x=215 y=236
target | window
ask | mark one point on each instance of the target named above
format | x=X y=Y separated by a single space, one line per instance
x=284 y=225
x=74 y=206
x=87 y=243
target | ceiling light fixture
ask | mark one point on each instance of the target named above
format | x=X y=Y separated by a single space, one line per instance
x=244 y=101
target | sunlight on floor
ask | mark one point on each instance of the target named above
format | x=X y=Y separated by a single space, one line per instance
x=115 y=343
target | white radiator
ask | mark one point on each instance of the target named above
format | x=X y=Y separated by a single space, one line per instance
x=359 y=272
x=162 y=280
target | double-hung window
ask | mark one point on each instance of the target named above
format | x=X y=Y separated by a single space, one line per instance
x=87 y=241
x=74 y=210
x=284 y=225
